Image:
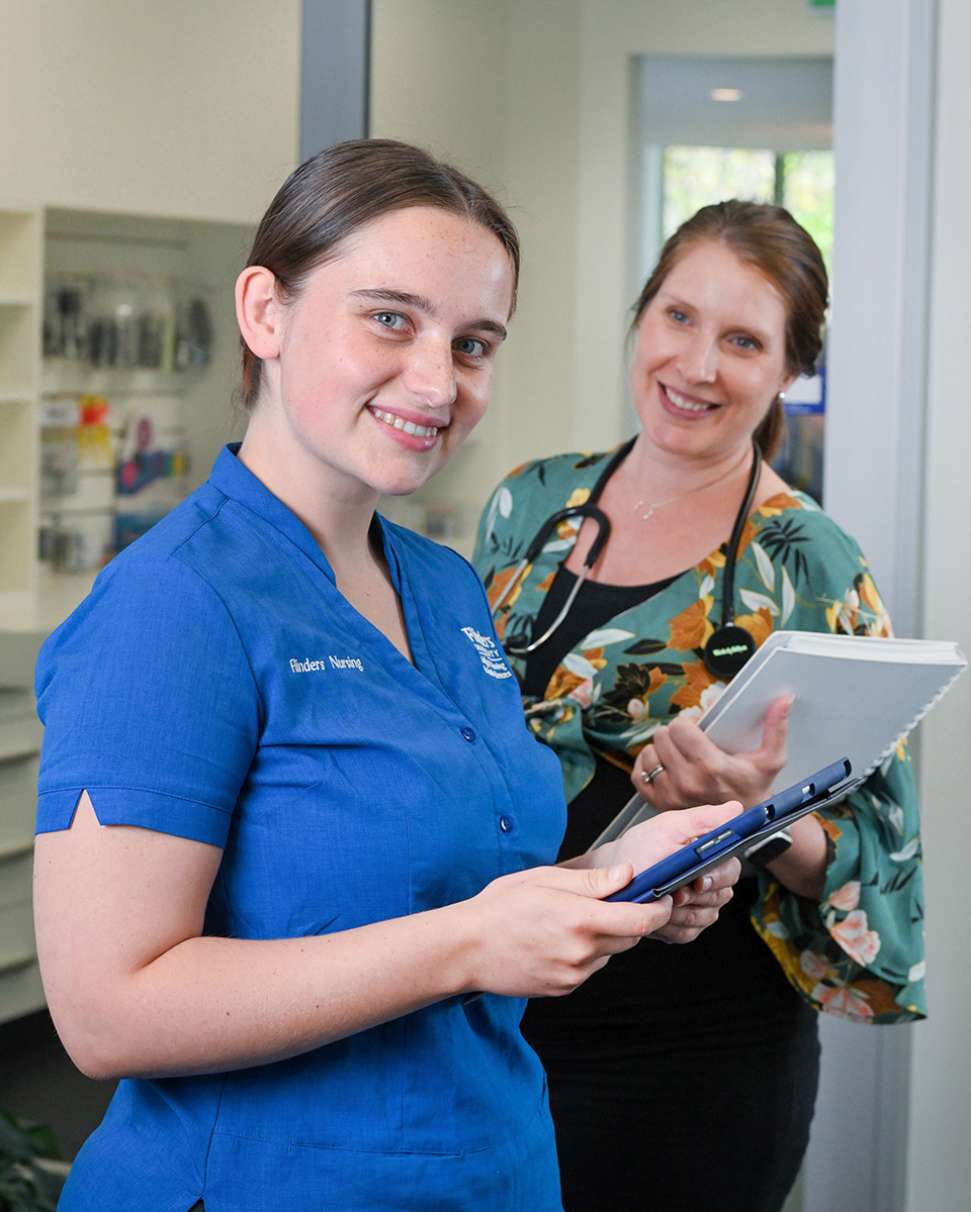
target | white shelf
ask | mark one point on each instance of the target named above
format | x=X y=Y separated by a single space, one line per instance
x=20 y=298
x=19 y=332
x=63 y=379
x=20 y=255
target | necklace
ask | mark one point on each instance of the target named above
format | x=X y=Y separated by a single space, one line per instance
x=653 y=506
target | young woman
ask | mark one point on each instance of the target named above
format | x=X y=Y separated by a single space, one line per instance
x=675 y=1063
x=292 y=867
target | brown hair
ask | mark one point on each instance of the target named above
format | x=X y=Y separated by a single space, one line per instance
x=768 y=238
x=340 y=189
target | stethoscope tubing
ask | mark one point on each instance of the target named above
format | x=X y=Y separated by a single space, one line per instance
x=590 y=510
x=587 y=511
x=564 y=611
x=728 y=583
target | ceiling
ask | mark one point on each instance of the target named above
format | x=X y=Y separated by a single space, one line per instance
x=786 y=103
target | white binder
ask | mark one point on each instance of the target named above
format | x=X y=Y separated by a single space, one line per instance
x=855 y=697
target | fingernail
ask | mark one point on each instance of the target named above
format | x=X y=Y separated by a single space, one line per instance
x=616 y=873
x=706 y=883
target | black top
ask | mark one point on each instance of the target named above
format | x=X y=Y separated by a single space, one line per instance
x=596 y=604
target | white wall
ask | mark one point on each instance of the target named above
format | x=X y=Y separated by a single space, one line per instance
x=939 y=1159
x=174 y=108
x=541 y=146
x=439 y=79
x=499 y=99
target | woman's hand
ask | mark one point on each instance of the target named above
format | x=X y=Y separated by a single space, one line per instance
x=543 y=932
x=696 y=905
x=694 y=770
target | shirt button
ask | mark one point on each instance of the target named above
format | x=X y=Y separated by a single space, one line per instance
x=505 y=824
x=468 y=733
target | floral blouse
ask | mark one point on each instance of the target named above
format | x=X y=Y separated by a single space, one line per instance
x=857 y=953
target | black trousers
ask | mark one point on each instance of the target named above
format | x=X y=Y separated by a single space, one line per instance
x=681 y=1078
x=730 y=1138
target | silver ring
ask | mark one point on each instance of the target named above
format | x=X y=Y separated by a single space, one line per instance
x=650 y=775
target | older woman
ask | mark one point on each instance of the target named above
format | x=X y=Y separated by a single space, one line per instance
x=675 y=1062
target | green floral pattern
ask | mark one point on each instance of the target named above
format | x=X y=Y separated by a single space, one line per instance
x=859 y=952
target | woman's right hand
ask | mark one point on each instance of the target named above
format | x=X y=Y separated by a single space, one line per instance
x=544 y=931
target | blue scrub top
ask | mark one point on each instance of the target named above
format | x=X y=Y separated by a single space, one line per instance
x=216 y=685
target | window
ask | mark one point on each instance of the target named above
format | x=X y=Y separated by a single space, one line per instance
x=801 y=181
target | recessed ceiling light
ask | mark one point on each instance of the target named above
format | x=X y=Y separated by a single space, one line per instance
x=726 y=94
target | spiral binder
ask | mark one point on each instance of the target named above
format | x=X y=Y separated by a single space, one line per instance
x=853 y=695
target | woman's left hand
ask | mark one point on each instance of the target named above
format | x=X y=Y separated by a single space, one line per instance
x=695 y=771
x=697 y=904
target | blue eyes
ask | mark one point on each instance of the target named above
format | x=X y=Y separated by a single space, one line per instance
x=390 y=319
x=739 y=340
x=468 y=347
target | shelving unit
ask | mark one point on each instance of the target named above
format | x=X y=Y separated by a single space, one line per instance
x=191 y=408
x=20 y=308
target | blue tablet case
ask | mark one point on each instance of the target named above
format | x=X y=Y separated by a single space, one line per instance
x=819 y=790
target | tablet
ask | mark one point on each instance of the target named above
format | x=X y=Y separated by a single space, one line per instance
x=827 y=786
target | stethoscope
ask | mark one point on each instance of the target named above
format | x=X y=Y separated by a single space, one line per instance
x=729 y=645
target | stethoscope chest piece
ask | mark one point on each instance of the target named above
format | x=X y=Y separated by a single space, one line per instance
x=727 y=650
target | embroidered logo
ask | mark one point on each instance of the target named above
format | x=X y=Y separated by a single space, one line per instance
x=307 y=665
x=346 y=662
x=319 y=666
x=493 y=662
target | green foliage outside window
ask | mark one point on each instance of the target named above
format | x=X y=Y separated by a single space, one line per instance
x=802 y=181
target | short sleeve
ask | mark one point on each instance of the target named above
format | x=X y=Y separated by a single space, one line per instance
x=149 y=703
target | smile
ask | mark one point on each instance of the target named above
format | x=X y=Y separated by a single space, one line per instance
x=396 y=422
x=684 y=404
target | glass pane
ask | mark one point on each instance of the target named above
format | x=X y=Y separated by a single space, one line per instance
x=808 y=194
x=697 y=176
